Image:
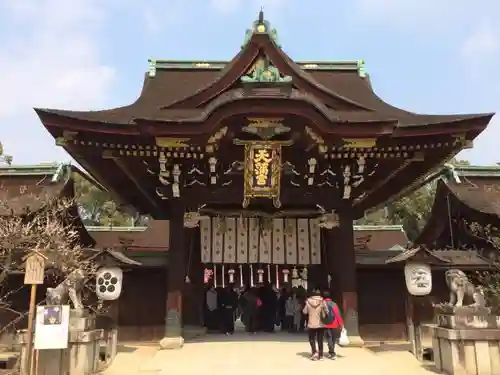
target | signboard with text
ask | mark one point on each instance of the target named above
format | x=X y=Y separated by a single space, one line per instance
x=52 y=327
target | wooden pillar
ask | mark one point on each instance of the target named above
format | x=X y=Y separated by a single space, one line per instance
x=341 y=260
x=194 y=290
x=175 y=279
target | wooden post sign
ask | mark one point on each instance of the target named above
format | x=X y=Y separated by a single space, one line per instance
x=34 y=272
x=34 y=268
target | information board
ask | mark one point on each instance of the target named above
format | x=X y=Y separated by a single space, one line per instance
x=52 y=327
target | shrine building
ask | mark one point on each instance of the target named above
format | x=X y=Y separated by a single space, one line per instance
x=260 y=164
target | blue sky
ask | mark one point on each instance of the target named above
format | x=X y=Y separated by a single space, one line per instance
x=434 y=56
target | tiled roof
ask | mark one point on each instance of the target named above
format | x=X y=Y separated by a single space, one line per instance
x=154 y=237
x=26 y=188
x=165 y=92
x=478 y=191
x=379 y=237
x=459 y=258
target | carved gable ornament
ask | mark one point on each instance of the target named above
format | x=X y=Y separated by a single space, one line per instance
x=417 y=269
x=265 y=128
x=263 y=71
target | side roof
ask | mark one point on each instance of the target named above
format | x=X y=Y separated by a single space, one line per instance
x=474 y=191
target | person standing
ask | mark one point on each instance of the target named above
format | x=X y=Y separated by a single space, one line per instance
x=333 y=324
x=269 y=308
x=315 y=309
x=229 y=303
x=211 y=306
x=250 y=310
x=302 y=296
x=287 y=321
x=282 y=299
x=297 y=316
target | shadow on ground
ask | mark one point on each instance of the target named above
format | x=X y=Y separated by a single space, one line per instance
x=126 y=348
x=308 y=355
x=388 y=347
x=403 y=349
x=248 y=337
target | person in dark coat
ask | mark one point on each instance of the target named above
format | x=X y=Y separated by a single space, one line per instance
x=269 y=308
x=281 y=308
x=228 y=304
x=211 y=309
x=249 y=317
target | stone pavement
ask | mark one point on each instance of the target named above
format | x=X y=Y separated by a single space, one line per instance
x=262 y=353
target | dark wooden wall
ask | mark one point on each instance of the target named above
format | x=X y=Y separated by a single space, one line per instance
x=141 y=307
x=382 y=297
x=381 y=304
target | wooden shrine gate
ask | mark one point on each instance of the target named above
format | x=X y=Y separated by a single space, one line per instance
x=250 y=251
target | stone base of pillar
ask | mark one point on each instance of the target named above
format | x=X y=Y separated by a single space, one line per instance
x=355 y=341
x=351 y=325
x=176 y=342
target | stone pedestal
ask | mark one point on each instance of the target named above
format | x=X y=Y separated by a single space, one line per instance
x=466 y=342
x=351 y=324
x=176 y=342
x=80 y=358
x=81 y=320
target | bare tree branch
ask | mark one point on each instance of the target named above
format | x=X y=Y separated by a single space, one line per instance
x=45 y=224
x=490 y=279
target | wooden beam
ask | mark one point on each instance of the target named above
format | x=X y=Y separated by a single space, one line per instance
x=383 y=181
x=412 y=179
x=138 y=184
x=83 y=161
x=296 y=197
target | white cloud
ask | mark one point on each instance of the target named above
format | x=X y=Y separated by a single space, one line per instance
x=480 y=53
x=482 y=45
x=426 y=16
x=159 y=15
x=49 y=58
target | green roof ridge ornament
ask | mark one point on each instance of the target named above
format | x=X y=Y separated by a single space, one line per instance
x=450 y=174
x=261 y=26
x=264 y=71
x=152 y=67
x=361 y=68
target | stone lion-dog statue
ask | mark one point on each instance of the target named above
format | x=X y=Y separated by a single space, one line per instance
x=68 y=290
x=460 y=287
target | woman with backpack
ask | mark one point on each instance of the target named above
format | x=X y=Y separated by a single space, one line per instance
x=333 y=324
x=316 y=310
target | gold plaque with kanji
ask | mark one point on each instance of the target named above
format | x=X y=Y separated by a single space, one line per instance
x=262 y=171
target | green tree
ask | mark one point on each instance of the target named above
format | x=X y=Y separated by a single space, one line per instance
x=412 y=210
x=490 y=279
x=98 y=208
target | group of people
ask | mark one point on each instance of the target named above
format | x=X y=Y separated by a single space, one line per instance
x=264 y=308
x=256 y=307
x=323 y=321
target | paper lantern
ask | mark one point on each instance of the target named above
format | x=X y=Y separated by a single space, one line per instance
x=109 y=283
x=418 y=277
